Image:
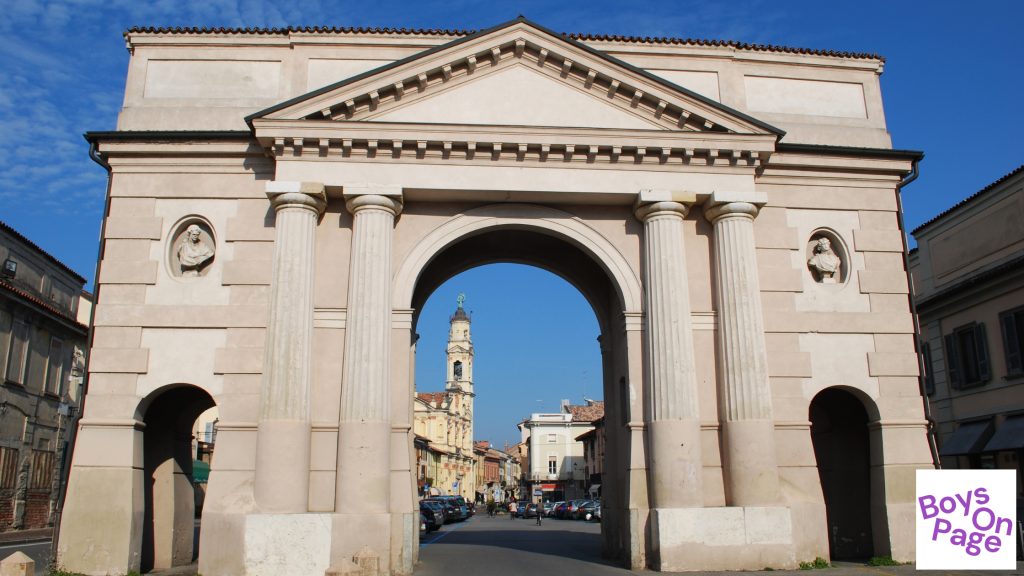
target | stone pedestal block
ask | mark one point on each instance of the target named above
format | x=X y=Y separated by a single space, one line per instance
x=287 y=544
x=724 y=538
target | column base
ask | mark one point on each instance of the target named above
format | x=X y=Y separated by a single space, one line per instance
x=287 y=544
x=751 y=472
x=360 y=544
x=281 y=485
x=725 y=538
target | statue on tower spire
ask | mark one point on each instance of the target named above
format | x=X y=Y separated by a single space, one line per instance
x=461 y=298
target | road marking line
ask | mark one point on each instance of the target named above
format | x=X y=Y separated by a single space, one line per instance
x=445 y=533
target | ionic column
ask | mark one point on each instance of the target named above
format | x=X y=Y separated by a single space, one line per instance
x=676 y=469
x=282 y=445
x=363 y=481
x=751 y=473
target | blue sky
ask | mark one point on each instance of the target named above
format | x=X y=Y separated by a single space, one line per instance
x=952 y=87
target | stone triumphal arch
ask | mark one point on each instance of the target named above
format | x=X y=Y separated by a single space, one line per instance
x=282 y=202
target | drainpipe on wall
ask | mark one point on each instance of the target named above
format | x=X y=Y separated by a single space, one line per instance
x=913 y=311
x=69 y=451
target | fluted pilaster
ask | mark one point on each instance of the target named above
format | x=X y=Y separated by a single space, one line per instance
x=745 y=394
x=365 y=425
x=282 y=459
x=676 y=469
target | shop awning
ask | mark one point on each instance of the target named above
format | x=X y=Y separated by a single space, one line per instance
x=200 y=472
x=1009 y=436
x=969 y=438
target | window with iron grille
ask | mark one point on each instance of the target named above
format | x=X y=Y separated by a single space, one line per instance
x=967 y=360
x=8 y=468
x=1012 y=324
x=42 y=470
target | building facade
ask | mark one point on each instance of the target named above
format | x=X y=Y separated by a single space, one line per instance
x=593 y=457
x=282 y=203
x=557 y=463
x=42 y=362
x=968 y=271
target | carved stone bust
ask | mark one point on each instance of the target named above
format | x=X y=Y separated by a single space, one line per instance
x=825 y=264
x=193 y=252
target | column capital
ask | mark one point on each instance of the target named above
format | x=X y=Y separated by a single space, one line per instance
x=742 y=204
x=284 y=193
x=373 y=196
x=651 y=202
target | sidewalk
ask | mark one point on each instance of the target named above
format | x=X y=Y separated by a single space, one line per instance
x=21 y=536
x=857 y=569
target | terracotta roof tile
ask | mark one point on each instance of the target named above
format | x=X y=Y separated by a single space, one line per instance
x=435 y=399
x=44 y=305
x=579 y=36
x=594 y=410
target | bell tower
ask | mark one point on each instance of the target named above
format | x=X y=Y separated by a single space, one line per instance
x=460 y=374
x=460 y=351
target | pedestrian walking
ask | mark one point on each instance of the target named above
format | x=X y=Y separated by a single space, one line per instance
x=540 y=512
x=512 y=509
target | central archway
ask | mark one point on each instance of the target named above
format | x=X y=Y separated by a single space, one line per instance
x=558 y=242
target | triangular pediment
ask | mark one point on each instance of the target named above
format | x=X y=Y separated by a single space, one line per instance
x=516 y=74
x=517 y=95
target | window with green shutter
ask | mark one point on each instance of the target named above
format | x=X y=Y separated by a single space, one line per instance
x=967 y=359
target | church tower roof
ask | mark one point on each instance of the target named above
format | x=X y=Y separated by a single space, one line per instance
x=460 y=314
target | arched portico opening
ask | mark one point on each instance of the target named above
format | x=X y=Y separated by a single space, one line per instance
x=842 y=449
x=168 y=529
x=555 y=241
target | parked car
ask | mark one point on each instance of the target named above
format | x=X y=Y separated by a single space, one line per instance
x=553 y=511
x=548 y=507
x=570 y=510
x=586 y=510
x=531 y=511
x=560 y=508
x=453 y=512
x=597 y=513
x=468 y=506
x=434 y=512
x=521 y=508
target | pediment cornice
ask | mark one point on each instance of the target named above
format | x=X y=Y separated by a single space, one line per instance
x=325 y=140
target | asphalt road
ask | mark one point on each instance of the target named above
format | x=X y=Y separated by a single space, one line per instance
x=38 y=551
x=503 y=547
x=499 y=546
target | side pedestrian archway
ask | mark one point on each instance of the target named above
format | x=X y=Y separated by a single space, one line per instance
x=168 y=527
